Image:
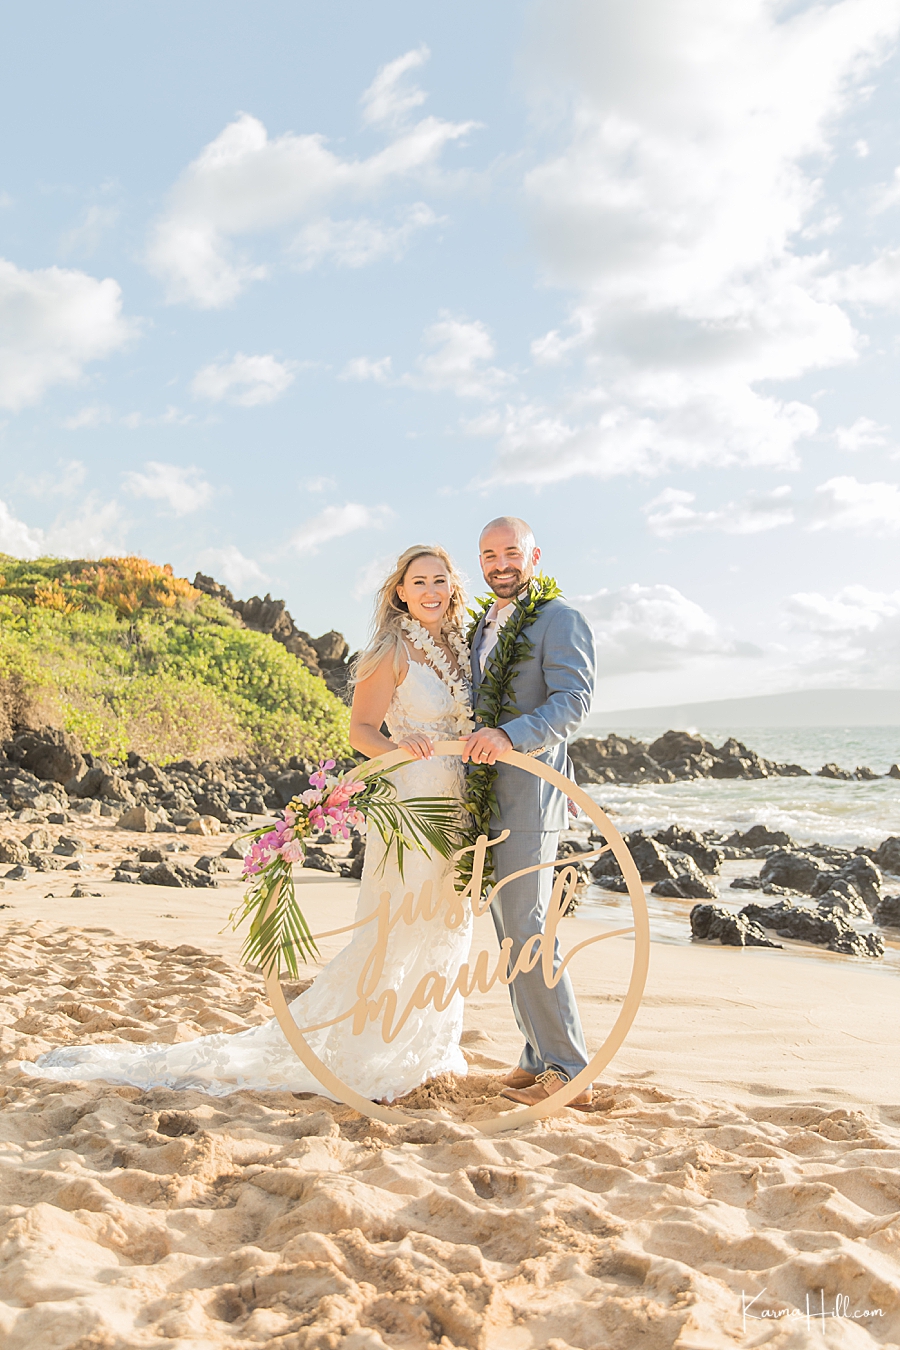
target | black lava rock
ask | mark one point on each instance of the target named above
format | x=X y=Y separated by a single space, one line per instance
x=320 y=860
x=211 y=804
x=803 y=923
x=288 y=785
x=758 y=835
x=651 y=858
x=210 y=864
x=709 y=923
x=176 y=874
x=707 y=856
x=797 y=871
x=50 y=754
x=887 y=912
x=887 y=855
x=685 y=887
x=844 y=897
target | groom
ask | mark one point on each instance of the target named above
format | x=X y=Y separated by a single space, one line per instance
x=552 y=693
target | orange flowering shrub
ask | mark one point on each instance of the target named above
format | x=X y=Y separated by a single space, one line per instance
x=132 y=584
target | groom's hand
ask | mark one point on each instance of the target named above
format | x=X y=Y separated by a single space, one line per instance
x=483 y=746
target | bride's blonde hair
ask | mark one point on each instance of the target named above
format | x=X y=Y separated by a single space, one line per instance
x=390 y=611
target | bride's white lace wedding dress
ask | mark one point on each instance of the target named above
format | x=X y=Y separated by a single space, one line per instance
x=261 y=1058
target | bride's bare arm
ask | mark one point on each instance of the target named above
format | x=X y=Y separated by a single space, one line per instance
x=371 y=698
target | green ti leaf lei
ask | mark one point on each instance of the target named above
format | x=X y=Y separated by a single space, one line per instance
x=495 y=697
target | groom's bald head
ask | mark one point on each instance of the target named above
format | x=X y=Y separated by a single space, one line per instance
x=508 y=555
x=510 y=524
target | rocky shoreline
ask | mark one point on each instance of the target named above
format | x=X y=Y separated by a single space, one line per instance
x=677 y=756
x=820 y=894
x=47 y=786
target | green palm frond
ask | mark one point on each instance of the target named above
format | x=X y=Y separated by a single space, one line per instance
x=278 y=937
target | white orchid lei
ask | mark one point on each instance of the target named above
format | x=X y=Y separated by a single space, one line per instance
x=458 y=682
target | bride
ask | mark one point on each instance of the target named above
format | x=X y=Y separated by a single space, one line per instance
x=414 y=678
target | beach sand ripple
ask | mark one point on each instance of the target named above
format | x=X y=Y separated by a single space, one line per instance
x=134 y=1220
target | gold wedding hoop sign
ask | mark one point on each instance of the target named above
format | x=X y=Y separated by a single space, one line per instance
x=540 y=951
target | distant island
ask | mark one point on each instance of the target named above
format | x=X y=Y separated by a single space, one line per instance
x=800 y=708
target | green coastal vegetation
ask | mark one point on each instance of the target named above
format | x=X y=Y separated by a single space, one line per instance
x=128 y=657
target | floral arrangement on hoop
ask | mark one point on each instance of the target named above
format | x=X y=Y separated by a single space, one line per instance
x=278 y=929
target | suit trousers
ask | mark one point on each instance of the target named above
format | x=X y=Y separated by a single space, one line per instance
x=547 y=1018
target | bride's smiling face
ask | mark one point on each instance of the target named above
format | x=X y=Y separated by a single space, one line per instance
x=425 y=590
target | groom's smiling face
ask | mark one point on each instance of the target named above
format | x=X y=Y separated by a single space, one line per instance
x=508 y=560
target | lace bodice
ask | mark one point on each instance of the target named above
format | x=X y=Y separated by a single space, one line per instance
x=424 y=702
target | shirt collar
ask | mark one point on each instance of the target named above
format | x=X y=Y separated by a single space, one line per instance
x=499 y=607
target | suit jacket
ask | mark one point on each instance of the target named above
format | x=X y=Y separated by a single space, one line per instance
x=553 y=690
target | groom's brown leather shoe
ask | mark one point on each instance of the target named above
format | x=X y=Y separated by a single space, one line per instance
x=544 y=1086
x=519 y=1078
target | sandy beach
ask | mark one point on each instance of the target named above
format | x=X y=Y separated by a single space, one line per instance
x=735 y=1185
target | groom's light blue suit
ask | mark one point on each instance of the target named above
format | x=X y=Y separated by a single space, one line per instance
x=552 y=691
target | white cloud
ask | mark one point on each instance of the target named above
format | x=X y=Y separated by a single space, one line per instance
x=54 y=322
x=95 y=222
x=245 y=380
x=851 y=610
x=455 y=360
x=172 y=417
x=872 y=284
x=673 y=513
x=230 y=565
x=887 y=194
x=335 y=522
x=652 y=628
x=364 y=368
x=674 y=214
x=669 y=423
x=386 y=101
x=243 y=184
x=94 y=415
x=861 y=435
x=97 y=529
x=182 y=488
x=839 y=504
x=851 y=637
x=356 y=243
x=16 y=538
x=372 y=575
x=846 y=504
x=62 y=481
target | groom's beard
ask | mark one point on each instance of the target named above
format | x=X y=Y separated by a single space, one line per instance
x=505 y=586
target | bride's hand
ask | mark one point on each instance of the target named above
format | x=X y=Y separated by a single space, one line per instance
x=419 y=746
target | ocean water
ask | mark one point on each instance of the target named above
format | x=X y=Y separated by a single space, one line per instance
x=875 y=747
x=812 y=810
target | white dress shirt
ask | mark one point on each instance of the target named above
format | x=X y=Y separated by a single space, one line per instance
x=494 y=620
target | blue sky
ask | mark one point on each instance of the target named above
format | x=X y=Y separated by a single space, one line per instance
x=287 y=287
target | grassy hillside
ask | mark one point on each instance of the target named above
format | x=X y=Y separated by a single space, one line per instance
x=127 y=656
